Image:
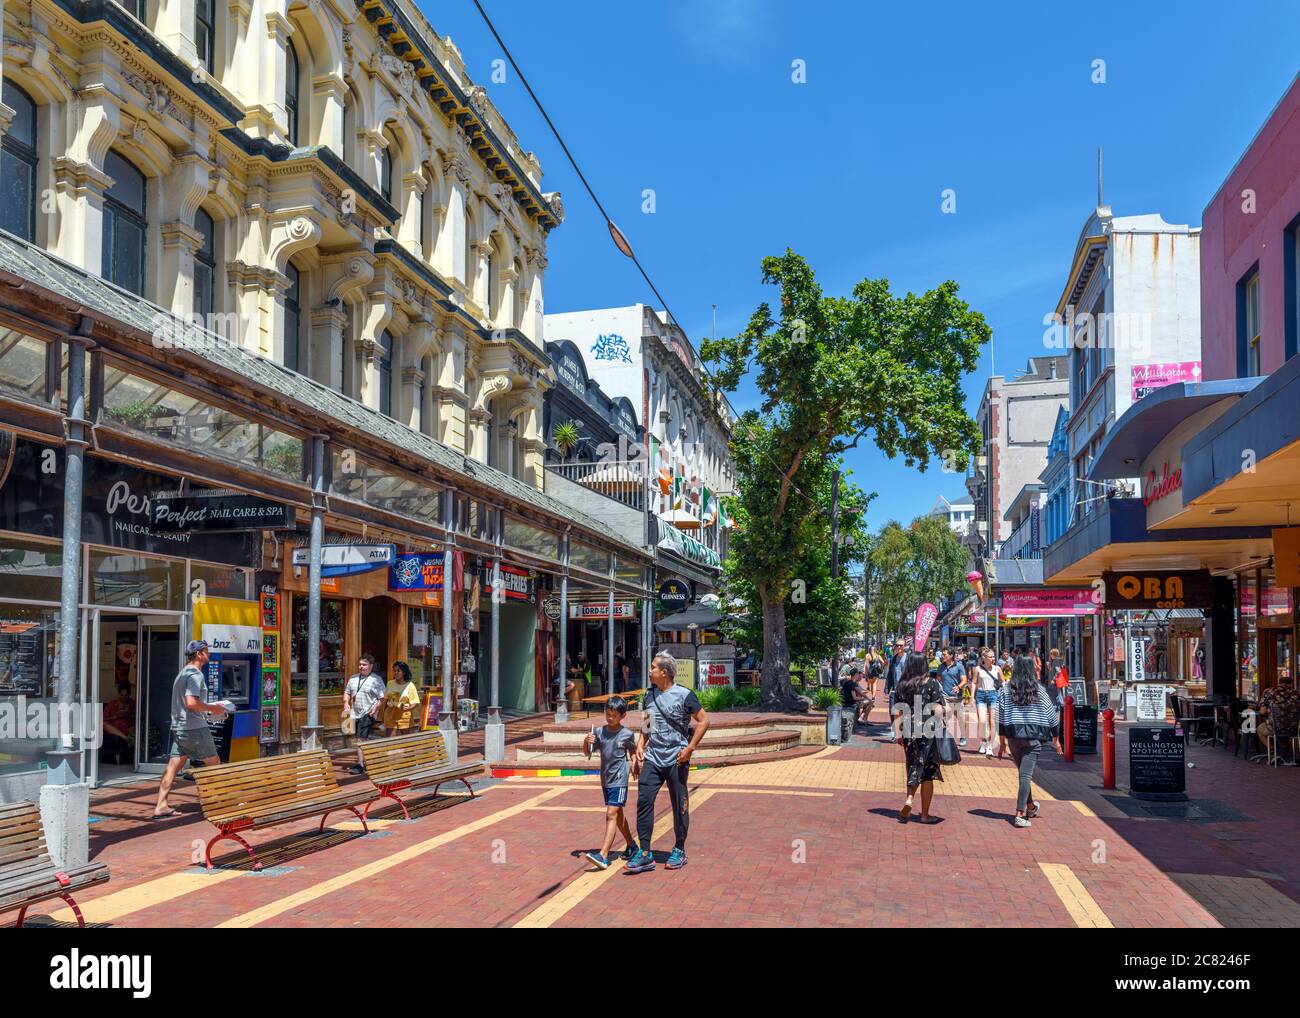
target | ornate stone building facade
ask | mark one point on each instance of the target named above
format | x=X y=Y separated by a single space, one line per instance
x=318 y=180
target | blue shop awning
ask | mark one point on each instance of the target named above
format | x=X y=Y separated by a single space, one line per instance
x=1151 y=418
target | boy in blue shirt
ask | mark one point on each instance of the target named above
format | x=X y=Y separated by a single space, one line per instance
x=617 y=747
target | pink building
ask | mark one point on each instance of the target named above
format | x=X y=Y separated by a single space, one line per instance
x=1249 y=253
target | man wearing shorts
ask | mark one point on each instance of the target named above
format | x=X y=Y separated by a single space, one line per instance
x=191 y=737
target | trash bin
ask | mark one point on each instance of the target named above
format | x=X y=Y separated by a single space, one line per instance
x=834 y=725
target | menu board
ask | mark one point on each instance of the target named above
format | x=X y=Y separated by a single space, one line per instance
x=1085 y=729
x=1078 y=688
x=1156 y=764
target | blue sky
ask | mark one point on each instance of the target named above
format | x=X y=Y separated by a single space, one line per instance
x=696 y=101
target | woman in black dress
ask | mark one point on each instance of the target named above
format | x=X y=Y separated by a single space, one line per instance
x=918 y=721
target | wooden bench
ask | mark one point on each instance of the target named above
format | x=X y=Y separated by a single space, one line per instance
x=412 y=761
x=27 y=874
x=272 y=790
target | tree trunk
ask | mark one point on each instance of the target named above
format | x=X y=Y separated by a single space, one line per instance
x=777 y=692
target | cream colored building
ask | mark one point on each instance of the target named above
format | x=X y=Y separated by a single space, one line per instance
x=320 y=181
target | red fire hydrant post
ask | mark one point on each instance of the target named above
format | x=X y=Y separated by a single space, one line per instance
x=1067 y=725
x=1108 y=748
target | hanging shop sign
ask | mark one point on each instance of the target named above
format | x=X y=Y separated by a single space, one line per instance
x=1147 y=378
x=227 y=639
x=687 y=547
x=600 y=610
x=1286 y=556
x=552 y=608
x=1186 y=589
x=515 y=584
x=117 y=508
x=419 y=571
x=674 y=595
x=1136 y=670
x=219 y=511
x=347 y=559
x=1048 y=601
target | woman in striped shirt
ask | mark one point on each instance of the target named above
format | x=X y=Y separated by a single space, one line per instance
x=1026 y=722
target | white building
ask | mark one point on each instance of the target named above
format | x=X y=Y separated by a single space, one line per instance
x=958 y=514
x=1129 y=319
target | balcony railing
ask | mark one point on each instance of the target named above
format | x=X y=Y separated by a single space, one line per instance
x=622 y=480
x=1020 y=543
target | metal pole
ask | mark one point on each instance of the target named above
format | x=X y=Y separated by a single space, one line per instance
x=561 y=704
x=65 y=762
x=311 y=731
x=835 y=560
x=647 y=630
x=445 y=720
x=494 y=741
x=609 y=639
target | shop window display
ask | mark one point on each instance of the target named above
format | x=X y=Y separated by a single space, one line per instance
x=330 y=649
x=136 y=581
x=28 y=668
x=1247 y=636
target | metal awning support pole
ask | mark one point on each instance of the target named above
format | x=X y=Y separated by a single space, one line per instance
x=445 y=719
x=312 y=729
x=65 y=799
x=609 y=639
x=562 y=666
x=494 y=736
x=647 y=629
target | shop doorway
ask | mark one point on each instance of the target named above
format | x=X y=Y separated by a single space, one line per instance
x=134 y=661
x=376 y=634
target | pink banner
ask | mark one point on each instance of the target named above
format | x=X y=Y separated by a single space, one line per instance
x=1048 y=602
x=1149 y=377
x=925 y=618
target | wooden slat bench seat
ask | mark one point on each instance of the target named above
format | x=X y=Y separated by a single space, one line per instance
x=272 y=790
x=412 y=761
x=28 y=874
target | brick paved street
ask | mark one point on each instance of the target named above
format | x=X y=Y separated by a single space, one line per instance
x=812 y=841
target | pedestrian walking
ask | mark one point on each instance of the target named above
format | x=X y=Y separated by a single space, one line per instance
x=987 y=680
x=894 y=675
x=617 y=747
x=363 y=702
x=875 y=672
x=1057 y=679
x=918 y=718
x=401 y=697
x=191 y=736
x=952 y=675
x=664 y=757
x=1026 y=723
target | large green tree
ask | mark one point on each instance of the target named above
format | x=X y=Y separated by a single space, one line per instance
x=823 y=610
x=921 y=562
x=832 y=371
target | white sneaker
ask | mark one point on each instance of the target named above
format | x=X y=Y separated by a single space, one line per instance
x=961 y=742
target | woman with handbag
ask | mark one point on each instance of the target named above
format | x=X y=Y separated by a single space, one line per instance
x=918 y=721
x=1026 y=723
x=986 y=677
x=401 y=697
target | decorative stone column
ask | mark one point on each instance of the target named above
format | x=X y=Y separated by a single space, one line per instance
x=491 y=387
x=327 y=94
x=324 y=358
x=174 y=25
x=451 y=238
x=411 y=397
x=179 y=244
x=505 y=316
x=411 y=227
x=532 y=440
x=234 y=43
x=80 y=182
x=449 y=390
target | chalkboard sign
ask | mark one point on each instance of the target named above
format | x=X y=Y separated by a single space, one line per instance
x=1078 y=688
x=1156 y=765
x=1085 y=729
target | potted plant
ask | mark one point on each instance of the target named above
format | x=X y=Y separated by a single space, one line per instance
x=565 y=437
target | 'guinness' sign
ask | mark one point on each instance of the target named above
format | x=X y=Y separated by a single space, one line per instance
x=1189 y=589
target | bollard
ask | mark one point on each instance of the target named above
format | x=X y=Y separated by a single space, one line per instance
x=1067 y=729
x=1108 y=748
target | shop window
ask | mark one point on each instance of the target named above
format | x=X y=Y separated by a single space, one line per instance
x=330 y=650
x=18 y=161
x=386 y=173
x=1249 y=359
x=220 y=581
x=205 y=266
x=588 y=557
x=122 y=579
x=23 y=365
x=474 y=518
x=124 y=225
x=371 y=484
x=143 y=405
x=386 y=373
x=424 y=645
x=1247 y=635
x=29 y=652
x=29 y=570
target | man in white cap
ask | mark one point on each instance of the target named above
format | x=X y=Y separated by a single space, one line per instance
x=191 y=737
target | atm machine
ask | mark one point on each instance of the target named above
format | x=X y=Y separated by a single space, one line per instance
x=235 y=673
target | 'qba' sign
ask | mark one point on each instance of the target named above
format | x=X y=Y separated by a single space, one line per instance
x=1187 y=589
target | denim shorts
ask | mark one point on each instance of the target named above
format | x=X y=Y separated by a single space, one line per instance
x=988 y=697
x=615 y=795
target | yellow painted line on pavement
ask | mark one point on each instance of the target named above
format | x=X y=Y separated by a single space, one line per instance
x=113 y=906
x=1083 y=808
x=569 y=897
x=568 y=809
x=362 y=873
x=1081 y=905
x=774 y=791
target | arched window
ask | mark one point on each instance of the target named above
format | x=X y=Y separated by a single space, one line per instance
x=492 y=288
x=18 y=165
x=386 y=171
x=292 y=318
x=205 y=30
x=205 y=266
x=291 y=91
x=386 y=373
x=469 y=252
x=124 y=225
